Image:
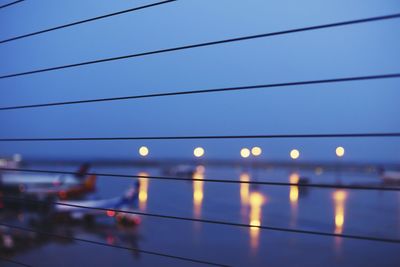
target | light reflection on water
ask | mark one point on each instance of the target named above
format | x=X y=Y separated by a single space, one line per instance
x=252 y=202
x=244 y=188
x=257 y=200
x=339 y=201
x=143 y=190
x=198 y=190
x=294 y=197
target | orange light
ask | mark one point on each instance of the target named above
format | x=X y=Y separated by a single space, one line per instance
x=143 y=189
x=339 y=198
x=256 y=202
x=294 y=189
x=198 y=193
x=244 y=188
x=339 y=195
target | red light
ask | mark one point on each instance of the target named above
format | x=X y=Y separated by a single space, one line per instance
x=110 y=213
x=136 y=220
x=110 y=240
x=62 y=194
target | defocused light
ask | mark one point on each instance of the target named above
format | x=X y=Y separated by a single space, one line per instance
x=340 y=151
x=143 y=151
x=62 y=194
x=294 y=154
x=244 y=188
x=339 y=195
x=256 y=202
x=294 y=179
x=110 y=240
x=245 y=152
x=198 y=194
x=339 y=198
x=143 y=189
x=110 y=213
x=198 y=152
x=294 y=189
x=256 y=199
x=256 y=151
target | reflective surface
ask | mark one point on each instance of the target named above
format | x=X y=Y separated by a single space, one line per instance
x=357 y=212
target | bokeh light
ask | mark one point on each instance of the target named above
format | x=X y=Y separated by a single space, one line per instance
x=256 y=151
x=245 y=152
x=198 y=152
x=143 y=151
x=294 y=154
x=340 y=151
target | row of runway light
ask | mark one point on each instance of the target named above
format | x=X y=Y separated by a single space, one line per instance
x=245 y=152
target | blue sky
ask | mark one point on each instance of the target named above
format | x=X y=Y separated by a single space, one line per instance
x=367 y=49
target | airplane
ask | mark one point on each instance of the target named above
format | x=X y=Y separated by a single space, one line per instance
x=13 y=162
x=390 y=177
x=184 y=171
x=14 y=241
x=14 y=178
x=43 y=186
x=71 y=210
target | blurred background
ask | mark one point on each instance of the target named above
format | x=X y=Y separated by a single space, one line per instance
x=245 y=195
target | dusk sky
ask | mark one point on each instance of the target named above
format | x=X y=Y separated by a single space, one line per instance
x=348 y=107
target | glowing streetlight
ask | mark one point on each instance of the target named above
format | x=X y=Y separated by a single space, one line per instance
x=143 y=151
x=294 y=154
x=198 y=152
x=256 y=151
x=245 y=152
x=340 y=151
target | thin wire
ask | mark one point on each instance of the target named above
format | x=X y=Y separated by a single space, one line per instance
x=12 y=3
x=265 y=136
x=352 y=187
x=264 y=227
x=245 y=38
x=85 y=21
x=15 y=262
x=113 y=246
x=213 y=90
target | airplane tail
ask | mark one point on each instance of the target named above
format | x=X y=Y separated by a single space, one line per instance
x=130 y=197
x=82 y=171
x=88 y=185
x=90 y=182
